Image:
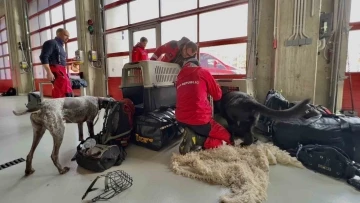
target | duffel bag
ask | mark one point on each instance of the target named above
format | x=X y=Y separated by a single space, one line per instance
x=338 y=131
x=97 y=157
x=330 y=161
x=275 y=100
x=156 y=129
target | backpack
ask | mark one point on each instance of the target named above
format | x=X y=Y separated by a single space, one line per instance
x=118 y=123
x=273 y=100
x=34 y=100
x=330 y=161
x=97 y=157
x=10 y=92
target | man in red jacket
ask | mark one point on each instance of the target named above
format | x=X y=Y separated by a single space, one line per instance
x=139 y=53
x=194 y=111
x=176 y=51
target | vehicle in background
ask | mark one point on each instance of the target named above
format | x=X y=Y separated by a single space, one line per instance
x=217 y=67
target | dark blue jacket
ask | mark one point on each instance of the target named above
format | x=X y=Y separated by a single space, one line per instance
x=50 y=52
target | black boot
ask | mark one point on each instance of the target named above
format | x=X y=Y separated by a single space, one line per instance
x=191 y=142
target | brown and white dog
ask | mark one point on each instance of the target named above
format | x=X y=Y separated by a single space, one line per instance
x=52 y=115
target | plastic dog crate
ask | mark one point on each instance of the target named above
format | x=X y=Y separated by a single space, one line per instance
x=150 y=84
x=149 y=74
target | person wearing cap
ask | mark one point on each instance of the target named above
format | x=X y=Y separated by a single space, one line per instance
x=193 y=109
x=139 y=52
x=176 y=51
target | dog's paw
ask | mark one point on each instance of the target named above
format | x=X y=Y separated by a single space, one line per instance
x=64 y=170
x=29 y=172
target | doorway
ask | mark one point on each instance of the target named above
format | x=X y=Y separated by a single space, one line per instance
x=152 y=33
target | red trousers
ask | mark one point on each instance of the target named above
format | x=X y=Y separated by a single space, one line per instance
x=216 y=134
x=61 y=84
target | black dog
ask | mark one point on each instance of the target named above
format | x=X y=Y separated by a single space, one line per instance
x=241 y=111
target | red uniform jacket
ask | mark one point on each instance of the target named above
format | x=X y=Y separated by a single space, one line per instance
x=139 y=53
x=193 y=86
x=171 y=51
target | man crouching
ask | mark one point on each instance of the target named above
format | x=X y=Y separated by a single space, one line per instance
x=194 y=111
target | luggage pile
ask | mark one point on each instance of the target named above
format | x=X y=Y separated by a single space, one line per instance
x=150 y=85
x=145 y=117
x=322 y=141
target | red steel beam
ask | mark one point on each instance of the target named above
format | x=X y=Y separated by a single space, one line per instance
x=127 y=53
x=48 y=8
x=39 y=47
x=117 y=3
x=220 y=42
x=53 y=25
x=183 y=14
x=3 y=43
x=67 y=62
x=234 y=76
x=355 y=26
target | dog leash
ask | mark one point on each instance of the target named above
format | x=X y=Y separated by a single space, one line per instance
x=97 y=117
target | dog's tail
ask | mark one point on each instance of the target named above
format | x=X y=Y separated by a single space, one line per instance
x=19 y=113
x=295 y=111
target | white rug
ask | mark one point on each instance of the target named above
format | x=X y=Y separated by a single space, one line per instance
x=245 y=170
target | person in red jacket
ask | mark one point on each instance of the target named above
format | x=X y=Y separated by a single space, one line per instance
x=193 y=109
x=176 y=51
x=139 y=53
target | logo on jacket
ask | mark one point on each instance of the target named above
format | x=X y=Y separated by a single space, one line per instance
x=188 y=83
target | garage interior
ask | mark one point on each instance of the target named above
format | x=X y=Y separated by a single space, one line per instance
x=302 y=48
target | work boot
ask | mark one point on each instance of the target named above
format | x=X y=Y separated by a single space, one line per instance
x=191 y=142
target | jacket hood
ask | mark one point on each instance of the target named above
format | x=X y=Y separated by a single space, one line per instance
x=138 y=45
x=183 y=41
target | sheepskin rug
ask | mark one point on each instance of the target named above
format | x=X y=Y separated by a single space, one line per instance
x=245 y=170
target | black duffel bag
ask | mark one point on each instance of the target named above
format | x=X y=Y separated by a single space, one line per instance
x=156 y=129
x=338 y=131
x=330 y=161
x=97 y=157
x=275 y=100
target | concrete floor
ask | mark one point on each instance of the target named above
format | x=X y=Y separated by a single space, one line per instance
x=153 y=181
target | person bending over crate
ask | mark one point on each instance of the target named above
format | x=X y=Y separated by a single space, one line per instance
x=176 y=51
x=193 y=109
